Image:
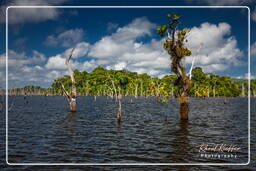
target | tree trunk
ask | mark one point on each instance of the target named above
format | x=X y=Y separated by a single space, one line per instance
x=72 y=105
x=71 y=97
x=136 y=91
x=119 y=111
x=184 y=107
x=114 y=87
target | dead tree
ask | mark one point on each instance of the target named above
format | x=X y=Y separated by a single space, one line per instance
x=119 y=111
x=10 y=107
x=175 y=47
x=71 y=97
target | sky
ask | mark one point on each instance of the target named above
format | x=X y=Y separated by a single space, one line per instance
x=39 y=39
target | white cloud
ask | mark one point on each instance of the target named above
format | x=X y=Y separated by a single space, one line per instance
x=119 y=42
x=81 y=49
x=55 y=62
x=25 y=15
x=65 y=39
x=58 y=61
x=37 y=58
x=246 y=76
x=219 y=50
x=22 y=68
x=124 y=49
x=118 y=66
x=19 y=59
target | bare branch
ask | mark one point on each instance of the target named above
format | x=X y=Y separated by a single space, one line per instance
x=193 y=61
x=69 y=66
x=173 y=37
x=71 y=73
x=66 y=94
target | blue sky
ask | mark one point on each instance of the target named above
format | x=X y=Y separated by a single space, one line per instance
x=123 y=38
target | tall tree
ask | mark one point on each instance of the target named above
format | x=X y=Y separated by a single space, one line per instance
x=174 y=45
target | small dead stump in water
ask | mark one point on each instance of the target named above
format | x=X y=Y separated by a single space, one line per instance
x=225 y=101
x=119 y=110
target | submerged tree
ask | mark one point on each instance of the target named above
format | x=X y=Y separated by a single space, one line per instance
x=122 y=83
x=71 y=97
x=174 y=45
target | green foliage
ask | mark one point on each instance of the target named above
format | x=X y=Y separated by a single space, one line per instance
x=99 y=82
x=162 y=30
x=175 y=47
x=174 y=20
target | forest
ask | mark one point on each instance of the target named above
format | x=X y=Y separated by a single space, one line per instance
x=103 y=82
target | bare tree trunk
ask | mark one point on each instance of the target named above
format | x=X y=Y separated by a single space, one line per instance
x=136 y=91
x=119 y=111
x=71 y=97
x=114 y=87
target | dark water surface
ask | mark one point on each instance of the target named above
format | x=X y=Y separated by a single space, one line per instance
x=42 y=130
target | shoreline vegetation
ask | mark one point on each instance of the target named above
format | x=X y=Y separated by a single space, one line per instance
x=103 y=82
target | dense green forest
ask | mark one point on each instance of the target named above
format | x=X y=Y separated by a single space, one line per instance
x=103 y=82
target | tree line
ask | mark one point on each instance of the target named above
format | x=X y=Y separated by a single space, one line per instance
x=103 y=82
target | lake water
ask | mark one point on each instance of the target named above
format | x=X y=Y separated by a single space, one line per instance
x=41 y=130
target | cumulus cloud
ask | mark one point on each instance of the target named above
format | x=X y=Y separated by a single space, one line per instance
x=81 y=49
x=121 y=50
x=58 y=61
x=25 y=15
x=55 y=62
x=120 y=41
x=21 y=67
x=16 y=60
x=124 y=49
x=65 y=39
x=219 y=50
